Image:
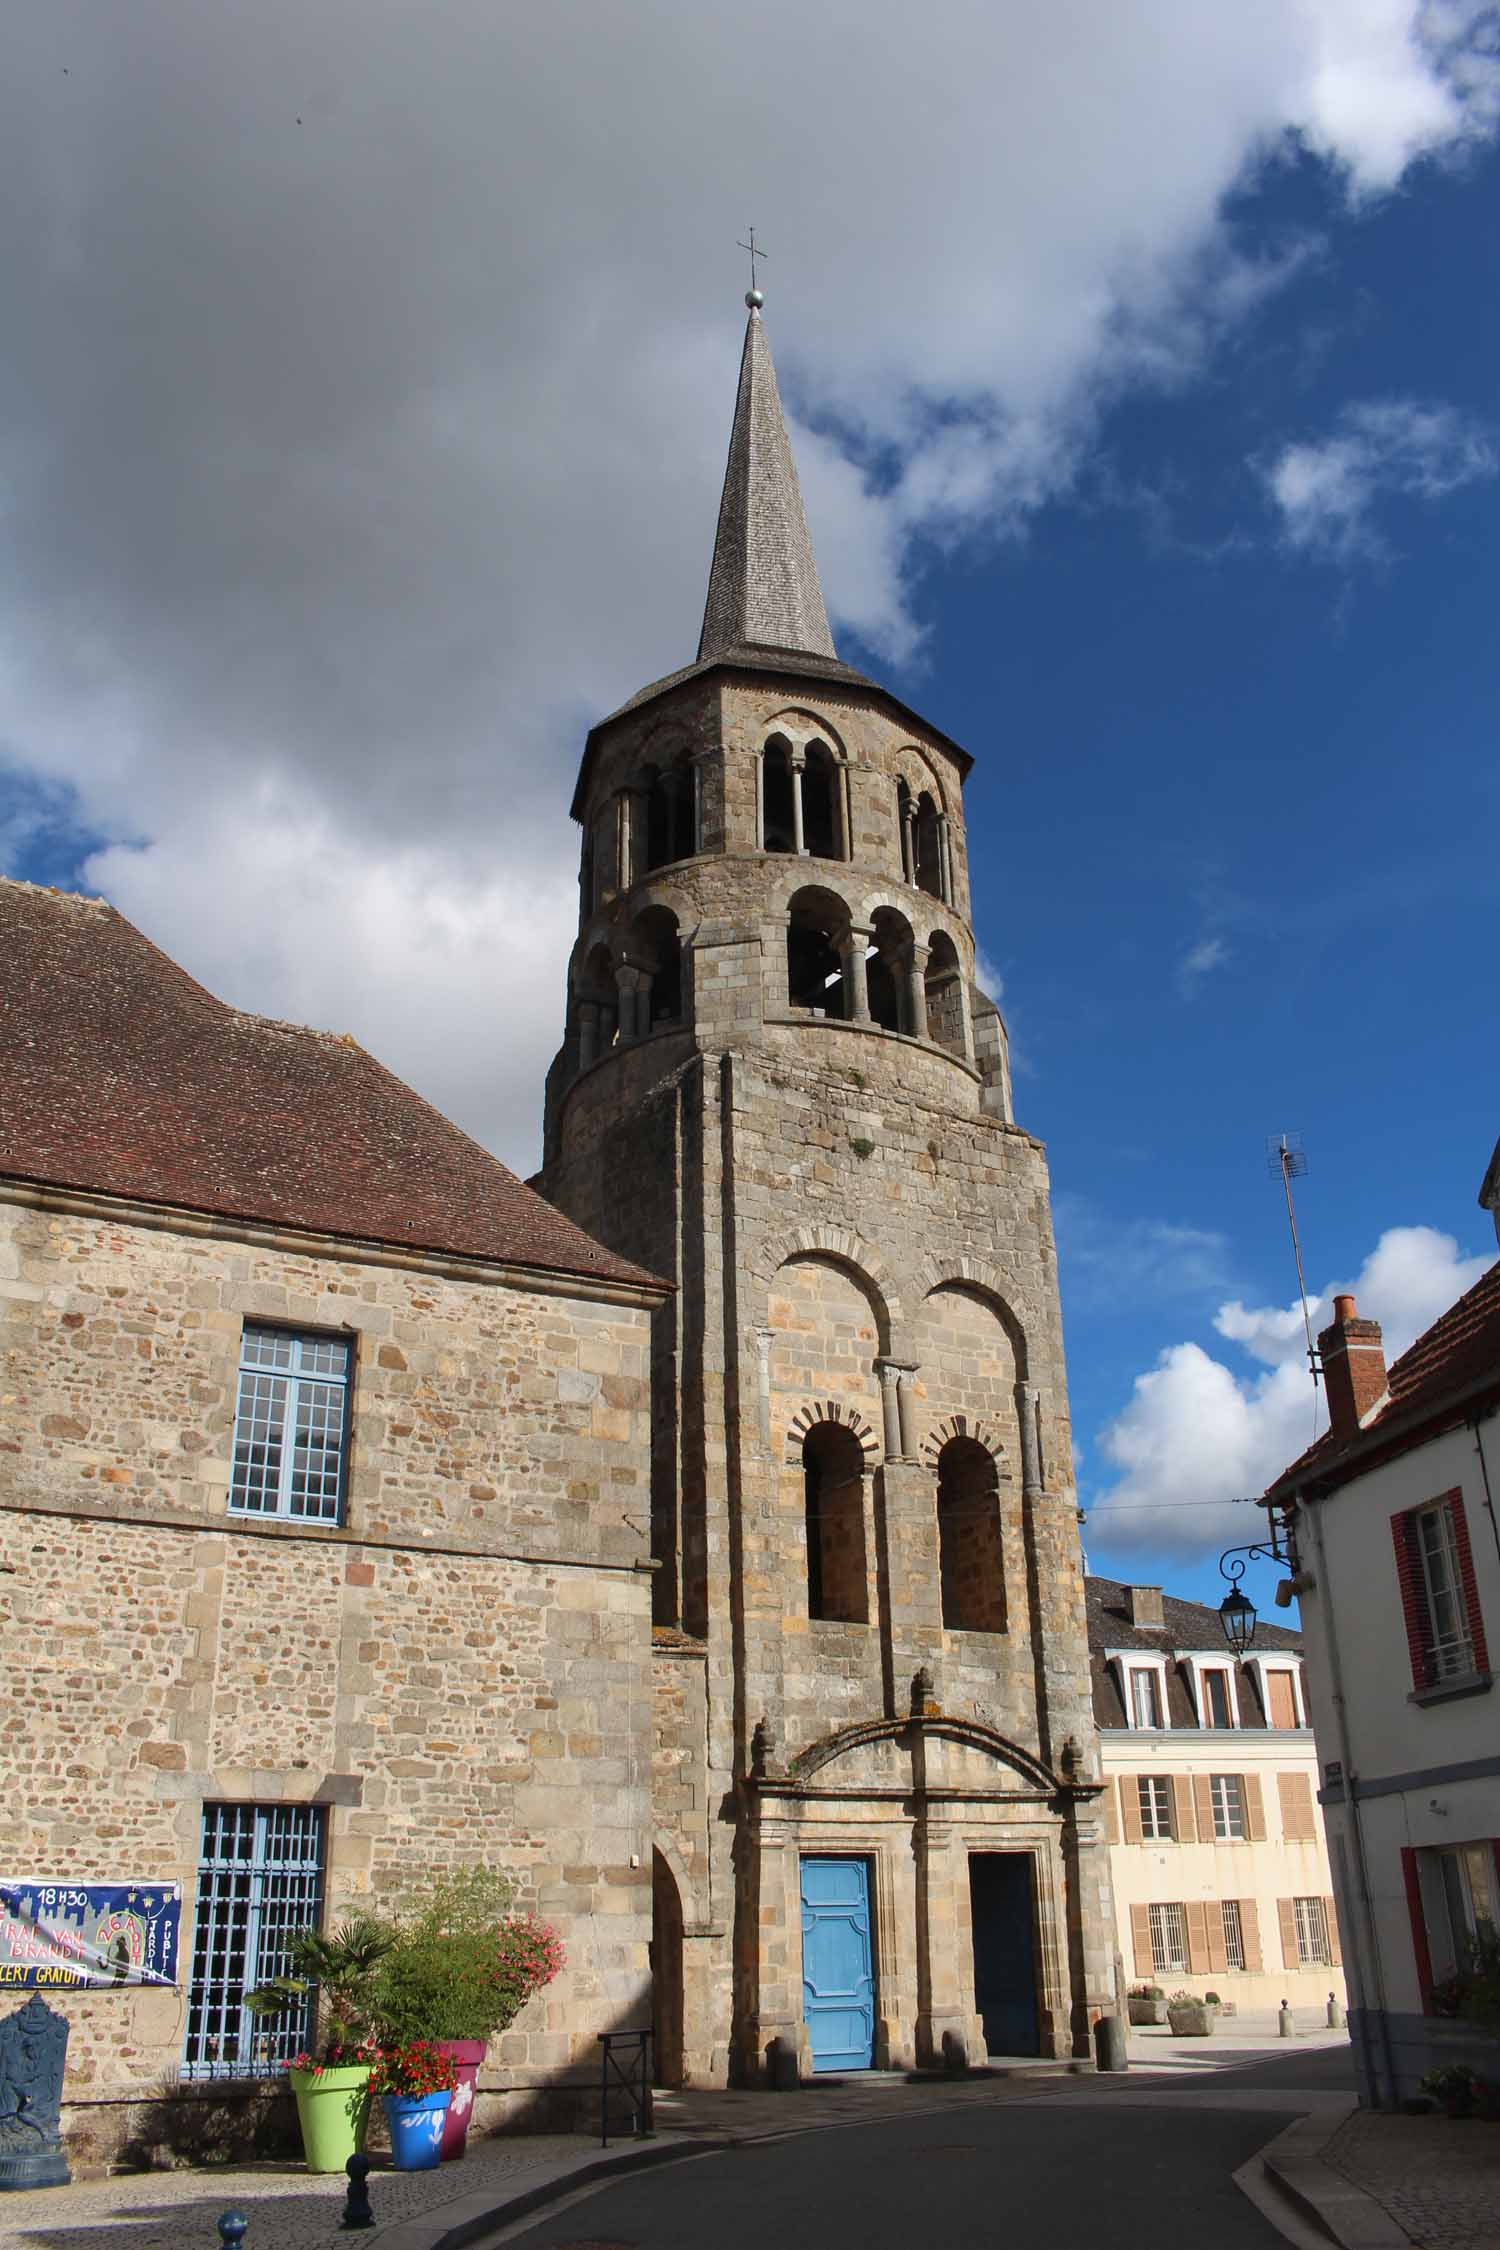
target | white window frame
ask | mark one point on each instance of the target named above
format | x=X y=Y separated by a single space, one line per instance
x=1449 y=1907
x=1159 y=1788
x=1197 y=1663
x=1157 y=1920
x=1452 y=1652
x=1264 y=1667
x=1219 y=1836
x=1128 y=1660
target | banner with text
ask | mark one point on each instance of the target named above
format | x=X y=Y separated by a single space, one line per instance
x=63 y=1935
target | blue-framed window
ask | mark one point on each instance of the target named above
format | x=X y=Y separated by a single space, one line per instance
x=291 y=1425
x=260 y=1880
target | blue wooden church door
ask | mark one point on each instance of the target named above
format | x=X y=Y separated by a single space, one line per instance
x=838 y=1982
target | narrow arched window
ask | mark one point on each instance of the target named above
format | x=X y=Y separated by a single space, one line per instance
x=778 y=820
x=928 y=847
x=822 y=825
x=817 y=923
x=596 y=1006
x=834 y=1498
x=945 y=994
x=970 y=1562
x=669 y=813
x=656 y=949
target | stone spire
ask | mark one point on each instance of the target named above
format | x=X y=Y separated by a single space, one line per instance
x=763 y=590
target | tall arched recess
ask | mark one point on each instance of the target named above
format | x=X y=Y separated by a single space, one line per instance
x=666 y=1973
x=971 y=1564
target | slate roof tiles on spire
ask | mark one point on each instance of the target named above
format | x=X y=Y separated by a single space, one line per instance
x=763 y=589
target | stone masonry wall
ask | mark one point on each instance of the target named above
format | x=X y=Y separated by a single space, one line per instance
x=459 y=1671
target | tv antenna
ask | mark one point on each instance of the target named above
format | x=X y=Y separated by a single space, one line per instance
x=1286 y=1160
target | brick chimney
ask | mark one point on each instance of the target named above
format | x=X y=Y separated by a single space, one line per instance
x=1143 y=1606
x=1353 y=1369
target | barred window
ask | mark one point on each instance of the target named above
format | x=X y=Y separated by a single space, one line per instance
x=1169 y=1948
x=260 y=1880
x=1155 y=1793
x=290 y=1431
x=1313 y=1948
x=1234 y=1933
x=1227 y=1793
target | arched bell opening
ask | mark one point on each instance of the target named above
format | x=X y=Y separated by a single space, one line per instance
x=888 y=970
x=656 y=950
x=778 y=818
x=669 y=813
x=943 y=979
x=927 y=847
x=970 y=1561
x=833 y=1465
x=817 y=937
x=822 y=824
x=596 y=1006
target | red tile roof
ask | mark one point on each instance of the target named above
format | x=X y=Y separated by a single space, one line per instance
x=1456 y=1357
x=121 y=1076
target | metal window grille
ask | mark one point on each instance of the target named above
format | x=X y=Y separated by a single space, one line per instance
x=1168 y=1938
x=1156 y=1807
x=260 y=1880
x=1447 y=1623
x=289 y=1431
x=1229 y=1807
x=1313 y=1949
x=1234 y=1933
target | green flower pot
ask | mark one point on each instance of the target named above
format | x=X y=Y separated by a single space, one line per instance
x=332 y=2109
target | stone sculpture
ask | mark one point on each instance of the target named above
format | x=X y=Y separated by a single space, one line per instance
x=33 y=2049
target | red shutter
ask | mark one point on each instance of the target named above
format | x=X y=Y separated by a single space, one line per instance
x=1418 y=1919
x=1455 y=1502
x=1413 y=1598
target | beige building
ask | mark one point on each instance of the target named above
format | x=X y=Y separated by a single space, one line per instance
x=878 y=1830
x=1218 y=1857
x=324 y=1461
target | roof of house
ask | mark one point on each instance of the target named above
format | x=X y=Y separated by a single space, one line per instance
x=1186 y=1627
x=1457 y=1358
x=119 y=1075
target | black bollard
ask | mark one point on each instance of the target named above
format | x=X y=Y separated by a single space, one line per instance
x=357 y=2212
x=1110 y=2051
x=232 y=2225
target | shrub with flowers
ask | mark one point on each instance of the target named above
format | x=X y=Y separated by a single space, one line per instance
x=528 y=1955
x=413 y=2069
x=337 y=2055
x=464 y=1965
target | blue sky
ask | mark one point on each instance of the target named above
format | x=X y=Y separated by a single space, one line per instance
x=361 y=428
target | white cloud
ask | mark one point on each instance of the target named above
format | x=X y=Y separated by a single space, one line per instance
x=1198 y=1433
x=1198 y=962
x=1109 y=1262
x=368 y=377
x=1327 y=492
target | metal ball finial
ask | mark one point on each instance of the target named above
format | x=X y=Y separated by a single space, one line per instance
x=754 y=298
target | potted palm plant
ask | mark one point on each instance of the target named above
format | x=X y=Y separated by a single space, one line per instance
x=331 y=2082
x=463 y=1966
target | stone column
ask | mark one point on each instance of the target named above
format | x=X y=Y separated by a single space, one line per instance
x=798 y=762
x=763 y=1341
x=1031 y=1449
x=853 y=946
x=760 y=800
x=627 y=984
x=696 y=774
x=945 y=864
x=907 y=1406
x=889 y=1410
x=916 y=989
x=846 y=811
x=622 y=868
x=588 y=1032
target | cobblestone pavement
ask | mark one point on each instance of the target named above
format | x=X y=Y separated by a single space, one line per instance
x=288 y=2209
x=1438 y=2178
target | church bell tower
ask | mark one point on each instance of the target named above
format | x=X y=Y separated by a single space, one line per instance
x=780 y=1085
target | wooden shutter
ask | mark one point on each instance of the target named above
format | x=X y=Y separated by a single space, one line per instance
x=1218 y=1951
x=1298 y=1822
x=1255 y=1811
x=1413 y=1597
x=1286 y=1911
x=1455 y=1504
x=1184 y=1826
x=1283 y=1699
x=1335 y=1950
x=1130 y=1807
x=1109 y=1805
x=1250 y=1930
x=1195 y=1913
x=1203 y=1805
x=1140 y=1942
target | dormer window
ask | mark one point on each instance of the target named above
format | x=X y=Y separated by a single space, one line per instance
x=1142 y=1678
x=1280 y=1682
x=1215 y=1689
x=1145 y=1696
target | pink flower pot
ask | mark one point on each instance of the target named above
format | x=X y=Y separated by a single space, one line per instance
x=467 y=2056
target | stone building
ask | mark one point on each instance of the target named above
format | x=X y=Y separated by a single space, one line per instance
x=878 y=1837
x=293 y=1677
x=1217 y=1848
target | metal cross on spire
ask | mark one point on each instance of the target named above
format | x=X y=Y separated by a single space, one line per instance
x=753 y=297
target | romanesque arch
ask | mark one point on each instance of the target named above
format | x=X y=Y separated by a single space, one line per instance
x=841 y=1246
x=980 y=1279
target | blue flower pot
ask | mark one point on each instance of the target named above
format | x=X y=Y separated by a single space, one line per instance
x=415 y=2122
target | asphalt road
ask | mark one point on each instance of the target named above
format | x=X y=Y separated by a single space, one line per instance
x=1053 y=2175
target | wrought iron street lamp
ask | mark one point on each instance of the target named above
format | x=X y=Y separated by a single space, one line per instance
x=1237 y=1614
